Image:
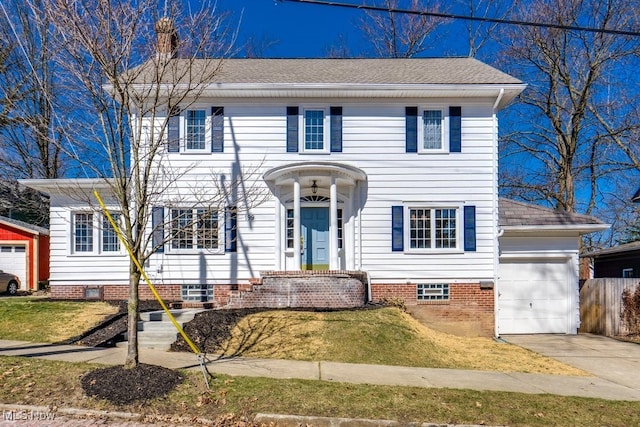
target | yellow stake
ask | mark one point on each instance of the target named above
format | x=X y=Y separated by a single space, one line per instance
x=144 y=275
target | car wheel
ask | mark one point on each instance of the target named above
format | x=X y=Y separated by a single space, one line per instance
x=12 y=288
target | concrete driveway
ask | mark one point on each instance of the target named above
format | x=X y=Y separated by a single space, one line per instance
x=609 y=359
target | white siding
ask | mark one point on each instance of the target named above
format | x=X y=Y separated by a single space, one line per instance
x=374 y=141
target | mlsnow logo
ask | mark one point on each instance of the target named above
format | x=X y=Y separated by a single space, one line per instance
x=23 y=415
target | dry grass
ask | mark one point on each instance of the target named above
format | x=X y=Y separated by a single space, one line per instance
x=39 y=319
x=384 y=336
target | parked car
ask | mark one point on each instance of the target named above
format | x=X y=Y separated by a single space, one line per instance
x=9 y=283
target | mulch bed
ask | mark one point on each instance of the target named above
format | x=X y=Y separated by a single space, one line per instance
x=125 y=386
x=108 y=332
x=211 y=328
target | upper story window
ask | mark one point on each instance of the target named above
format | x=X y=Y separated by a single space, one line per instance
x=198 y=130
x=433 y=130
x=314 y=129
x=195 y=135
x=314 y=132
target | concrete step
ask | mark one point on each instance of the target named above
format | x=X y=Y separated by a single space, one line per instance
x=157 y=331
x=181 y=315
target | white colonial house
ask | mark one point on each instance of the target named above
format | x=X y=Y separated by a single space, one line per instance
x=381 y=176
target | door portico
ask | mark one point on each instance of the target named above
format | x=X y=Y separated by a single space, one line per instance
x=316 y=188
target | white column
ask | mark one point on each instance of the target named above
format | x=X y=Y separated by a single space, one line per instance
x=350 y=244
x=334 y=262
x=296 y=223
x=278 y=236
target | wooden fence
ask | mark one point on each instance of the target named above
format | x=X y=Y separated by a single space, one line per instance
x=601 y=305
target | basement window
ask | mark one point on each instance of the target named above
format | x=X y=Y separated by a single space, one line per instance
x=198 y=293
x=433 y=291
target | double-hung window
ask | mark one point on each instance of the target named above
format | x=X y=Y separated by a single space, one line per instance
x=110 y=242
x=314 y=130
x=433 y=228
x=94 y=234
x=195 y=130
x=431 y=132
x=83 y=232
x=194 y=229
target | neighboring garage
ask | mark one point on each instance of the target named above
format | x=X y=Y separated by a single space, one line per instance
x=537 y=290
x=24 y=251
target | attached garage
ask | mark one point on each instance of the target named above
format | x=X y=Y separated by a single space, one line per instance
x=534 y=296
x=537 y=290
x=24 y=251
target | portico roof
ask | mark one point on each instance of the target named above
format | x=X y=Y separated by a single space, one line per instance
x=290 y=171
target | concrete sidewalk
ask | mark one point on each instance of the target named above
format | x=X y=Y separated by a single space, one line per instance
x=590 y=386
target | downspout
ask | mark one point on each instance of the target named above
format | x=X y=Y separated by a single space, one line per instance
x=369 y=296
x=496 y=207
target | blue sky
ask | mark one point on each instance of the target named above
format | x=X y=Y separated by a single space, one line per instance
x=301 y=30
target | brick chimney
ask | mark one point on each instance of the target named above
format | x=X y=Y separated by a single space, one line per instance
x=167 y=38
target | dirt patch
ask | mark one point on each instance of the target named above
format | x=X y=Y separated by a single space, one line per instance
x=124 y=386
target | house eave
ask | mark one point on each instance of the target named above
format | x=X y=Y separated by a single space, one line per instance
x=344 y=90
x=559 y=228
x=64 y=185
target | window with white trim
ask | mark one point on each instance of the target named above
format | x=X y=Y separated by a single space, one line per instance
x=83 y=232
x=432 y=134
x=195 y=130
x=92 y=233
x=315 y=130
x=433 y=228
x=432 y=291
x=110 y=241
x=627 y=273
x=194 y=229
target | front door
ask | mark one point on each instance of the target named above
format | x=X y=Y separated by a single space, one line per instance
x=314 y=229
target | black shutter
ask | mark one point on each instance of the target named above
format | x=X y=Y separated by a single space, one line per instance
x=292 y=129
x=157 y=228
x=455 y=129
x=231 y=229
x=217 y=129
x=336 y=129
x=411 y=135
x=470 y=228
x=173 y=134
x=397 y=228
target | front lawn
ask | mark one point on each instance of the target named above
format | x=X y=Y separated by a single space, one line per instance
x=39 y=319
x=57 y=384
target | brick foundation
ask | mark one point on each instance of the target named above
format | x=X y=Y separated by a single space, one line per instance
x=468 y=311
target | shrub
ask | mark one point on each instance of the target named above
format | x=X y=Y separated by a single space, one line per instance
x=631 y=310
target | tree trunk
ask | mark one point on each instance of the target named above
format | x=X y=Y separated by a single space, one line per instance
x=132 y=359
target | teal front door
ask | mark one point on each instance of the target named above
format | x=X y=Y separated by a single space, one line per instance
x=314 y=229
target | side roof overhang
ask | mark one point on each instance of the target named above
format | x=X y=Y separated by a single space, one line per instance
x=522 y=218
x=24 y=226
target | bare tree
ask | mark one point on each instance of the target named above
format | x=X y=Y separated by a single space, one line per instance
x=480 y=33
x=128 y=88
x=397 y=35
x=31 y=134
x=577 y=117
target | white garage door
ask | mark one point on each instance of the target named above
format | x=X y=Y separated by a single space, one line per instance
x=533 y=297
x=13 y=259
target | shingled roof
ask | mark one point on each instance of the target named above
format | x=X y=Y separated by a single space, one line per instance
x=519 y=214
x=24 y=226
x=337 y=71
